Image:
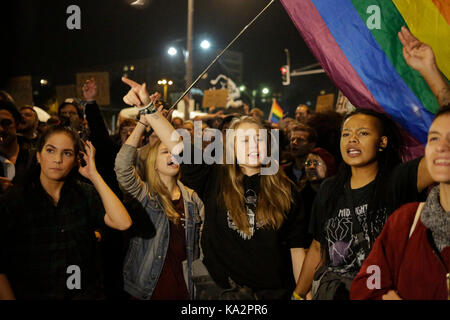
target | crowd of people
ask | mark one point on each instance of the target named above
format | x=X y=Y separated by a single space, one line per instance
x=89 y=215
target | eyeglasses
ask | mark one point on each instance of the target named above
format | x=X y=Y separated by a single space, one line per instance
x=313 y=162
x=6 y=123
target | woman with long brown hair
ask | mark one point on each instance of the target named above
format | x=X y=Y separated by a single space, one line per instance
x=253 y=233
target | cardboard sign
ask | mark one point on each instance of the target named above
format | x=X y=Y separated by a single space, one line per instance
x=20 y=88
x=64 y=92
x=102 y=80
x=325 y=102
x=343 y=105
x=215 y=98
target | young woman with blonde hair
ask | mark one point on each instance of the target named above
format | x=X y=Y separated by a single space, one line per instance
x=159 y=267
x=253 y=234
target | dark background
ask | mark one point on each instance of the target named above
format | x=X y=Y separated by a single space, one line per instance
x=37 y=42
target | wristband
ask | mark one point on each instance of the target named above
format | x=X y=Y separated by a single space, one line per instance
x=148 y=109
x=143 y=123
x=296 y=296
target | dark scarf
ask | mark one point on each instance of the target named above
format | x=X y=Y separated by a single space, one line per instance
x=436 y=219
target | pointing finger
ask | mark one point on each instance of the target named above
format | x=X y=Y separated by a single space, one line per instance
x=130 y=82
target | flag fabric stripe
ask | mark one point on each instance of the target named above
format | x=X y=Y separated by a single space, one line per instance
x=373 y=66
x=276 y=112
x=444 y=8
x=391 y=23
x=429 y=27
x=326 y=50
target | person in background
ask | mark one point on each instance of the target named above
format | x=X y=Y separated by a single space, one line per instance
x=15 y=151
x=412 y=253
x=29 y=124
x=327 y=125
x=189 y=126
x=302 y=141
x=319 y=165
x=43 y=126
x=257 y=113
x=177 y=122
x=70 y=114
x=302 y=113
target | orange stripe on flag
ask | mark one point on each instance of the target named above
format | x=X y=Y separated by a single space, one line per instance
x=444 y=8
x=275 y=110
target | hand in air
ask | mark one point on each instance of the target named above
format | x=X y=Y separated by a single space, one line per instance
x=417 y=54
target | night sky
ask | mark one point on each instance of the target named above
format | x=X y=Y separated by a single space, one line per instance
x=40 y=44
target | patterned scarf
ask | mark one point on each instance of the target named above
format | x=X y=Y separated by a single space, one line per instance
x=436 y=219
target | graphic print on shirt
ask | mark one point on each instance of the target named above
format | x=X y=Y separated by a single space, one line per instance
x=251 y=199
x=344 y=248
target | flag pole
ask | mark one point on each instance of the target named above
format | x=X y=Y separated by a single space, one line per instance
x=271 y=110
x=219 y=55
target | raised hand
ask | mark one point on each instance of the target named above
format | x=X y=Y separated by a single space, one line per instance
x=137 y=95
x=89 y=171
x=89 y=89
x=418 y=55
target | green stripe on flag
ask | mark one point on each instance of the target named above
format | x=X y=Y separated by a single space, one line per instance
x=386 y=36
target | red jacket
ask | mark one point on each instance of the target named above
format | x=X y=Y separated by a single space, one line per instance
x=408 y=266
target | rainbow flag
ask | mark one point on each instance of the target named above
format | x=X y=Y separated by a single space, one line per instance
x=276 y=113
x=356 y=43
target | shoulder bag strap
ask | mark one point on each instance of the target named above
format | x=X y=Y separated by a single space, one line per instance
x=416 y=218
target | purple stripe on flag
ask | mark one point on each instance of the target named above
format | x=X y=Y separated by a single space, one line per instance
x=326 y=50
x=321 y=42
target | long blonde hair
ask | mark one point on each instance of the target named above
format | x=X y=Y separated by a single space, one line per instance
x=157 y=189
x=274 y=198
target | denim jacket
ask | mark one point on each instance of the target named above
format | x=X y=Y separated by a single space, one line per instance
x=145 y=257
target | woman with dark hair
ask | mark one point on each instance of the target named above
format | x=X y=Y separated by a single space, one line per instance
x=48 y=245
x=412 y=253
x=253 y=232
x=351 y=208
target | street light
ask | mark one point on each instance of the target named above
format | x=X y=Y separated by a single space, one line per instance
x=205 y=44
x=172 y=51
x=187 y=55
x=265 y=91
x=165 y=83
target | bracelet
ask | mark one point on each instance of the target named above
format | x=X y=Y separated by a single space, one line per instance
x=296 y=296
x=143 y=123
x=148 y=109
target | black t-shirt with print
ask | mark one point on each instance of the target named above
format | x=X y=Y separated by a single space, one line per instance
x=335 y=228
x=260 y=261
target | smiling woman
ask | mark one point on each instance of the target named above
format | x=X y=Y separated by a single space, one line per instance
x=416 y=233
x=48 y=223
